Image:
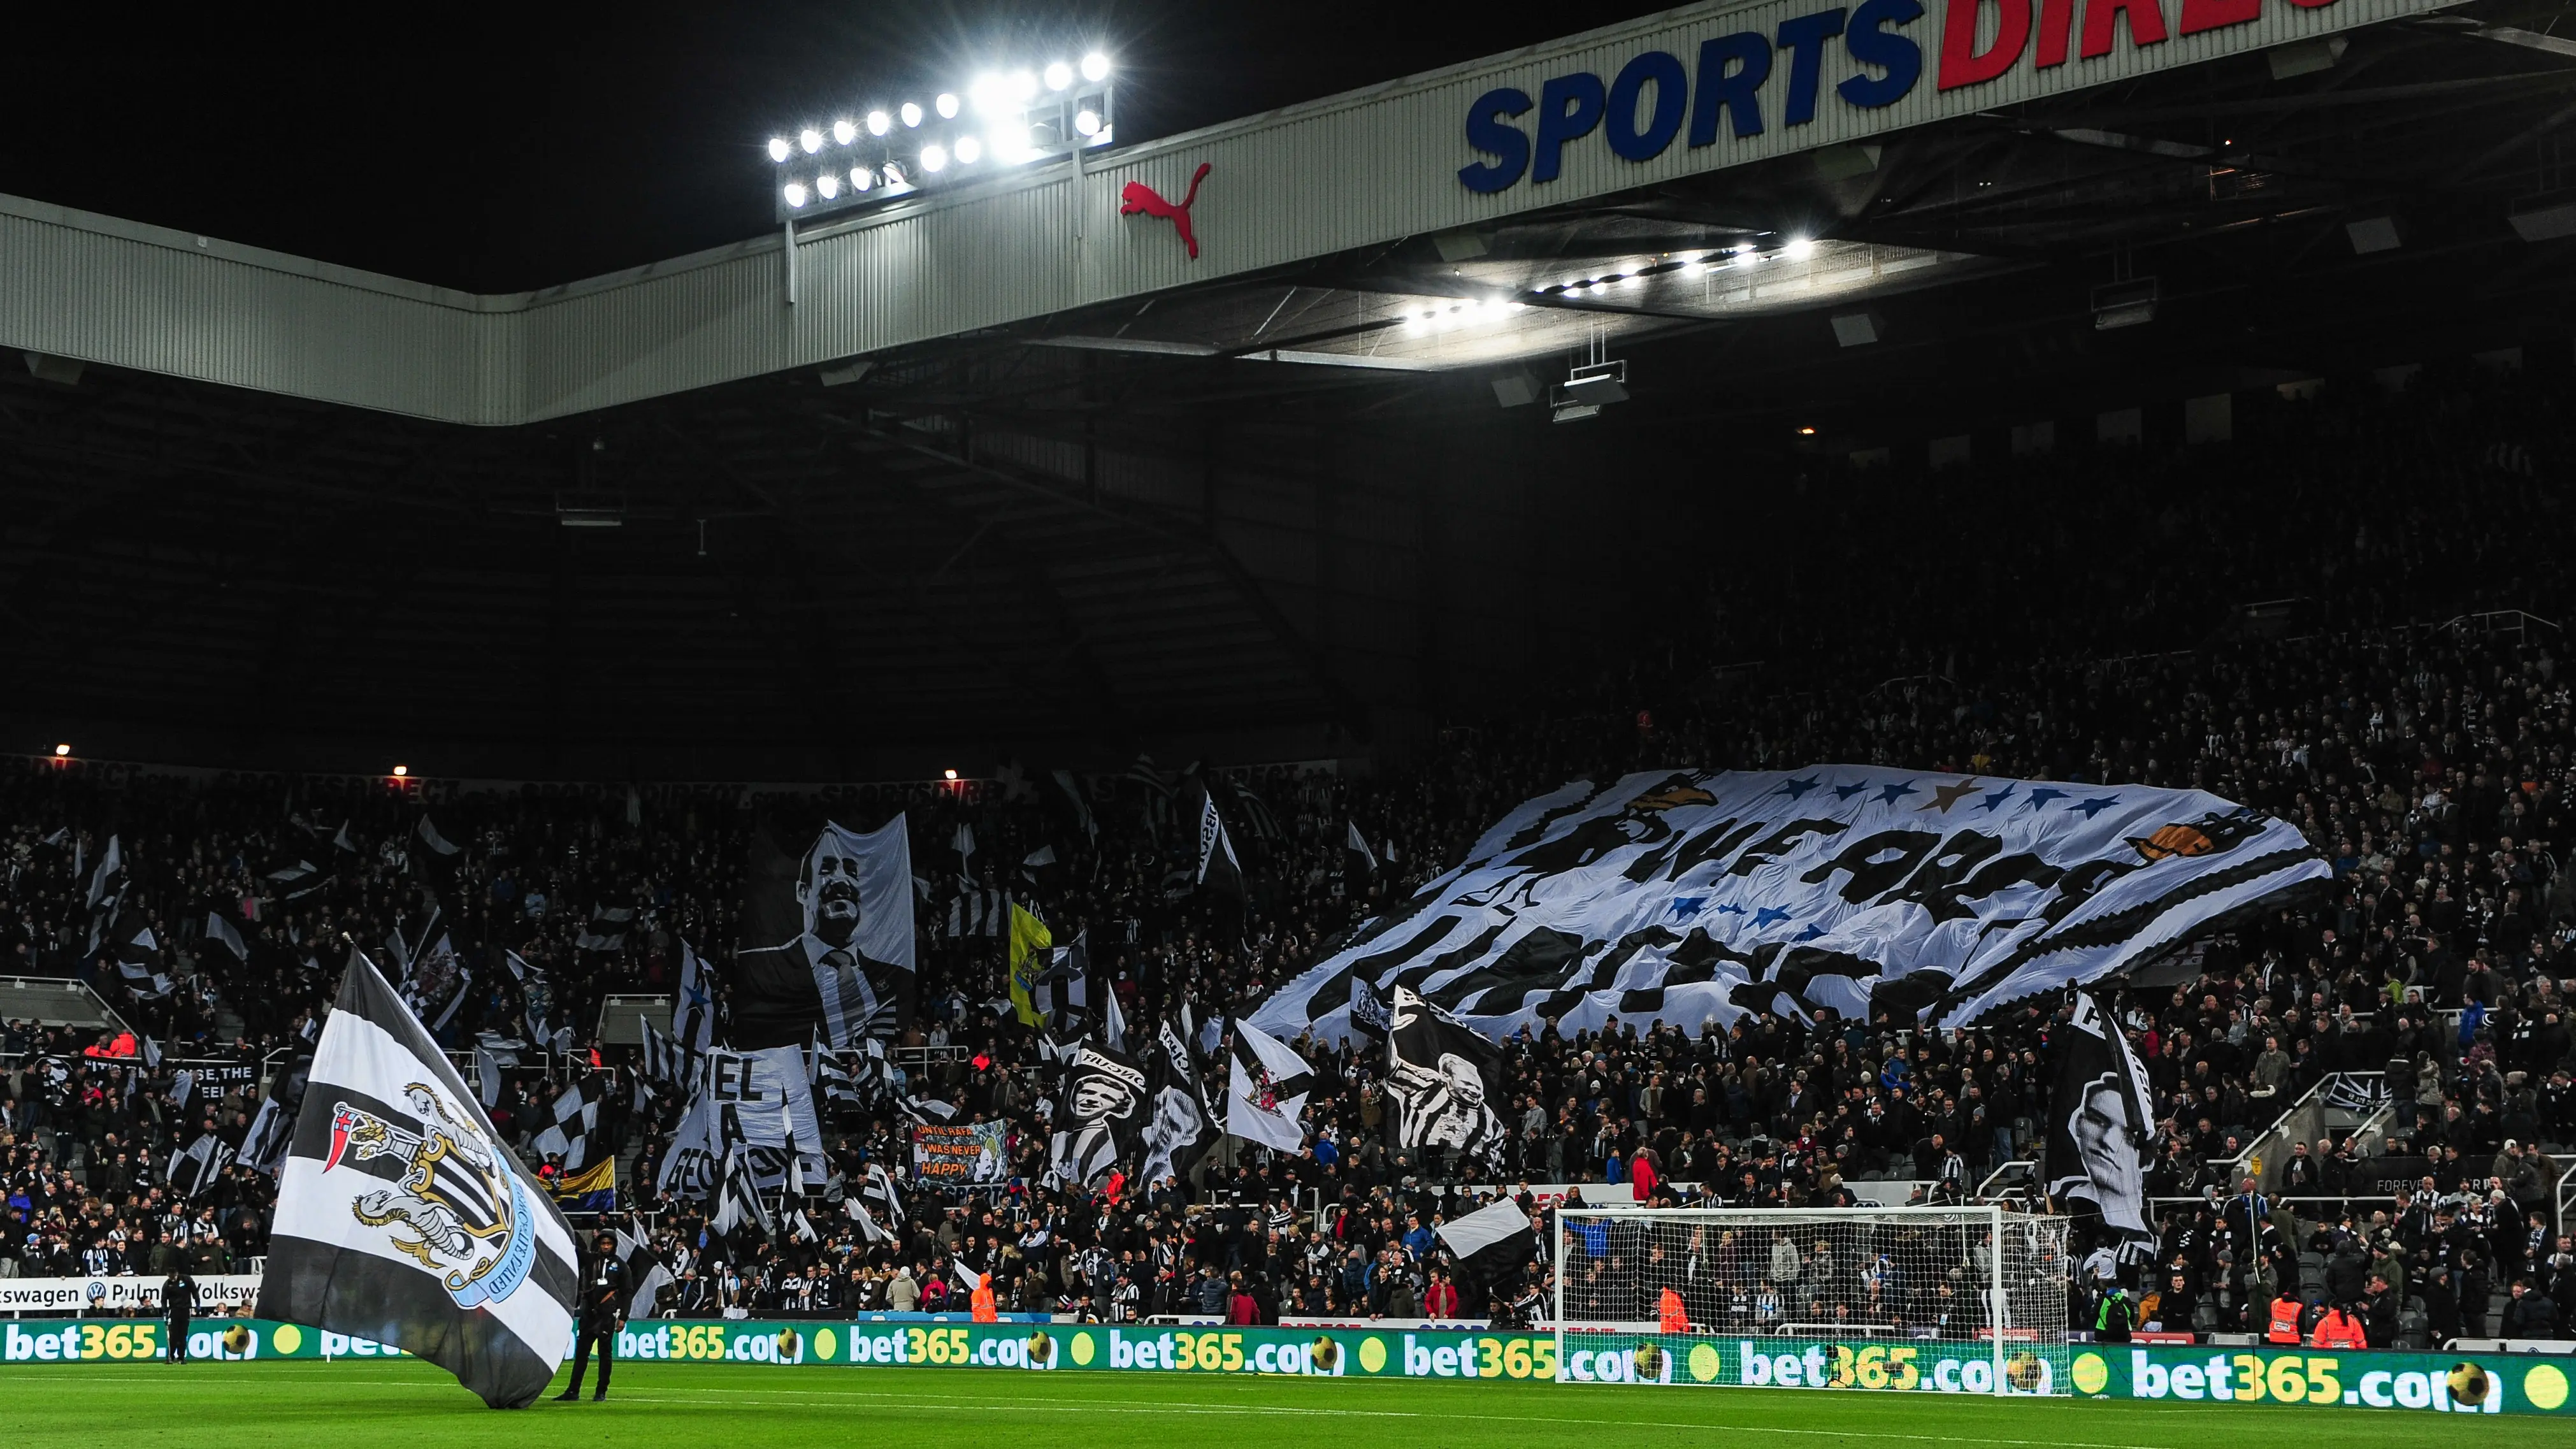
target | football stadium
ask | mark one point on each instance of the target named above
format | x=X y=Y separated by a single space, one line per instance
x=1767 y=723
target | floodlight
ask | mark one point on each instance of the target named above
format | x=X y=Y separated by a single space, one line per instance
x=934 y=157
x=779 y=150
x=827 y=185
x=1024 y=86
x=844 y=133
x=1009 y=143
x=810 y=139
x=986 y=92
x=893 y=174
x=62 y=752
x=911 y=114
x=1086 y=123
x=879 y=123
x=1798 y=249
x=1095 y=67
x=969 y=151
x=861 y=178
x=948 y=774
x=947 y=104
x=1058 y=76
x=795 y=193
x=402 y=772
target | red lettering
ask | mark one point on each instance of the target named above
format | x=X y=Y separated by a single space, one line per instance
x=2056 y=18
x=2146 y=24
x=2200 y=15
x=1961 y=65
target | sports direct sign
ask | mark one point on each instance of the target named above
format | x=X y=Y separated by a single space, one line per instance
x=1710 y=90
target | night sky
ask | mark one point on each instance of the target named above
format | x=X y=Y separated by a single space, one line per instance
x=500 y=149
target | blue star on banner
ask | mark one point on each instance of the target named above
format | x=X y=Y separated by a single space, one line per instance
x=1809 y=934
x=1729 y=909
x=1845 y=792
x=1768 y=915
x=2041 y=796
x=1993 y=798
x=1685 y=907
x=1894 y=793
x=2096 y=805
x=1795 y=788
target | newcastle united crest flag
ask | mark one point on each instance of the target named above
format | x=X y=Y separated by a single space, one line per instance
x=401 y=1217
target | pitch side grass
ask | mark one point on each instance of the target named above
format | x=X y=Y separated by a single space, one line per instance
x=405 y=1404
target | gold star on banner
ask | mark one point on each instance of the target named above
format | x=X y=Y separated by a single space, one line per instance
x=1948 y=795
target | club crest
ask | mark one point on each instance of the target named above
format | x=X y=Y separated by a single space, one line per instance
x=456 y=1208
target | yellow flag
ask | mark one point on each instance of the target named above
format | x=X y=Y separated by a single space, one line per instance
x=1029 y=939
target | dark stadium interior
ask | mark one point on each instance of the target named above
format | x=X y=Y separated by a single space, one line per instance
x=985 y=546
x=2296 y=538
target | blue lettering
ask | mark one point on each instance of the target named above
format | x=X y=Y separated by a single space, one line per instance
x=1737 y=91
x=1568 y=108
x=1671 y=94
x=1804 y=38
x=1488 y=132
x=1871 y=43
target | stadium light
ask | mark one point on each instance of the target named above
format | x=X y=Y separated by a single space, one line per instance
x=948 y=774
x=62 y=752
x=402 y=772
x=1011 y=115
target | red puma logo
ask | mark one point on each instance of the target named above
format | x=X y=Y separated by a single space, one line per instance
x=1140 y=199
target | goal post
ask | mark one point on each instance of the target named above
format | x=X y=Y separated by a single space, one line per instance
x=1949 y=1299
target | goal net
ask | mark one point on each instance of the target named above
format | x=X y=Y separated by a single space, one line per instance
x=1943 y=1299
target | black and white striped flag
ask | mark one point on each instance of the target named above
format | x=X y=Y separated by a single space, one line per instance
x=403 y=1218
x=138 y=960
x=663 y=1059
x=644 y=1269
x=978 y=911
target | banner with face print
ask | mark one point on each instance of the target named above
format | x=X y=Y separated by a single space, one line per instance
x=827 y=946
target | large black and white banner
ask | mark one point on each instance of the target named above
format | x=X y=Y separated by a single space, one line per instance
x=1442 y=1077
x=403 y=1218
x=826 y=935
x=2101 y=1126
x=1686 y=895
x=1101 y=1122
x=769 y=1098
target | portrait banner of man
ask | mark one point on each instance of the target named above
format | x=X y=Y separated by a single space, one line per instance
x=1438 y=1072
x=826 y=947
x=2101 y=1129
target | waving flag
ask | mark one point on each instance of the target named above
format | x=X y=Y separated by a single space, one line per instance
x=1266 y=1090
x=1683 y=896
x=403 y=1218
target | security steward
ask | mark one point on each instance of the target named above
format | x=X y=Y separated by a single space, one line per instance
x=178 y=1301
x=602 y=1305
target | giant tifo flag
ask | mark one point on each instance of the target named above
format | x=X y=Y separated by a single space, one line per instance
x=1686 y=895
x=401 y=1217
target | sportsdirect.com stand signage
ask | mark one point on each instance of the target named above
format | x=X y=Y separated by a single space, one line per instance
x=2427 y=1383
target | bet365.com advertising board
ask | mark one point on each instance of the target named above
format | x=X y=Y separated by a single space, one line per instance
x=2298 y=1378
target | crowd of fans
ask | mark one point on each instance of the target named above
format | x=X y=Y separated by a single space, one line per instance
x=2377 y=700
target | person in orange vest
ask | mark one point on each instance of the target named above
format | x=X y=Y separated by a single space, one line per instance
x=2285 y=1320
x=980 y=1300
x=1673 y=1318
x=2340 y=1328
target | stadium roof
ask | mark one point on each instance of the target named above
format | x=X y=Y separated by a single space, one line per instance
x=1014 y=468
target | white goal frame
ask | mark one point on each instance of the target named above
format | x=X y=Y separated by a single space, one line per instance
x=1992 y=1218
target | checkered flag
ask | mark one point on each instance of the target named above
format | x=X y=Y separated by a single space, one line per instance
x=576 y=1119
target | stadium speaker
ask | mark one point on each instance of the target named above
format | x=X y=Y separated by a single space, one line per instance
x=2535 y=218
x=2124 y=304
x=1856 y=329
x=1515 y=389
x=2373 y=234
x=64 y=370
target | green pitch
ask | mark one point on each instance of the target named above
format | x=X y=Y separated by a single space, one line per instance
x=409 y=1405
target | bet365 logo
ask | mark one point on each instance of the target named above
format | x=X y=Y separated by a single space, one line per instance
x=79 y=1342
